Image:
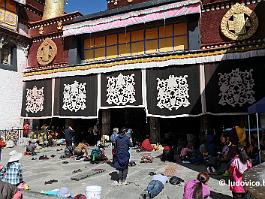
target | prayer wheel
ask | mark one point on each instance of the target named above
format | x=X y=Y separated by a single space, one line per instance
x=53 y=8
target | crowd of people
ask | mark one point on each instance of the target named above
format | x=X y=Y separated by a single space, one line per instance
x=230 y=149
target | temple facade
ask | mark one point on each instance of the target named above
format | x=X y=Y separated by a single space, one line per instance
x=166 y=67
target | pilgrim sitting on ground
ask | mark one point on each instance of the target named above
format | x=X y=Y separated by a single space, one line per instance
x=30 y=148
x=98 y=154
x=80 y=150
x=146 y=145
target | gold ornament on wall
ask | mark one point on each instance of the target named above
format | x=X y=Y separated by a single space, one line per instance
x=239 y=23
x=59 y=25
x=41 y=30
x=46 y=52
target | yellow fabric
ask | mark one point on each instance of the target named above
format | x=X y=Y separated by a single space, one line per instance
x=112 y=52
x=151 y=33
x=166 y=44
x=151 y=46
x=99 y=41
x=166 y=31
x=180 y=42
x=138 y=48
x=111 y=39
x=137 y=35
x=241 y=134
x=89 y=43
x=100 y=53
x=124 y=38
x=124 y=50
x=180 y=29
x=89 y=54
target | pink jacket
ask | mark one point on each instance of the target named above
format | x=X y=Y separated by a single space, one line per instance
x=237 y=168
x=189 y=189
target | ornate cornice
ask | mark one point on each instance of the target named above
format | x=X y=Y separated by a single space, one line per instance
x=225 y=5
x=106 y=64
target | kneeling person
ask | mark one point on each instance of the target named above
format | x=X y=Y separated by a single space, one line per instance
x=81 y=149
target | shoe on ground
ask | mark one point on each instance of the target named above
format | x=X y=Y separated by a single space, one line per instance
x=116 y=183
x=125 y=183
x=143 y=195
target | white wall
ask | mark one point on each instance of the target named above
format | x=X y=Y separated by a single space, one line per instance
x=10 y=99
x=11 y=89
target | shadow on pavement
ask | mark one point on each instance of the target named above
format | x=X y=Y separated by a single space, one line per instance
x=216 y=195
x=114 y=176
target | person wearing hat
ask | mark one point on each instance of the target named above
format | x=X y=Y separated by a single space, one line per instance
x=121 y=163
x=12 y=172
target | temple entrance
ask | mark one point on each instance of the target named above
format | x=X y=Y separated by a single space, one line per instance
x=134 y=118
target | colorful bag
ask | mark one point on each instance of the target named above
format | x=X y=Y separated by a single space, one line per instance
x=2 y=144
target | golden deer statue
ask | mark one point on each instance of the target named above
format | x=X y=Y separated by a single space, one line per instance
x=53 y=8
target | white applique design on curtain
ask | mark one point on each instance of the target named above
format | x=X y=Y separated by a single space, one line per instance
x=236 y=88
x=120 y=90
x=34 y=99
x=74 y=96
x=173 y=92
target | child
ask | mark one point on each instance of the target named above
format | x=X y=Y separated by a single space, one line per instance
x=197 y=188
x=155 y=186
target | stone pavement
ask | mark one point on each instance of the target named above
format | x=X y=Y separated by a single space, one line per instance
x=36 y=172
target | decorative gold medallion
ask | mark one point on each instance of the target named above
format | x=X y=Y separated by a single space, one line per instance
x=239 y=22
x=46 y=52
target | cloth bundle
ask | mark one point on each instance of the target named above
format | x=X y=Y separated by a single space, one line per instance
x=146 y=158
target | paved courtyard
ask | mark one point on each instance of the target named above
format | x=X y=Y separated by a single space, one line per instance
x=36 y=172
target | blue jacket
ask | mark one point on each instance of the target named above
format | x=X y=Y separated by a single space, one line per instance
x=123 y=144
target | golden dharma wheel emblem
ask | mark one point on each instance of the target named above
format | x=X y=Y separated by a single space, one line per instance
x=46 y=52
x=239 y=22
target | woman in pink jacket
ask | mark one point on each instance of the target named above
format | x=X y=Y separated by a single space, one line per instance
x=197 y=188
x=238 y=166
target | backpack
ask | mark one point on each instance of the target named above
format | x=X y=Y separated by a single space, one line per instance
x=174 y=180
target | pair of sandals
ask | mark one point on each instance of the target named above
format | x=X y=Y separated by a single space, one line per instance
x=43 y=157
x=132 y=163
x=76 y=171
x=50 y=181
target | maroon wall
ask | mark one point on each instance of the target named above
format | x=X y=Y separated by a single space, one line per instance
x=210 y=23
x=60 y=58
